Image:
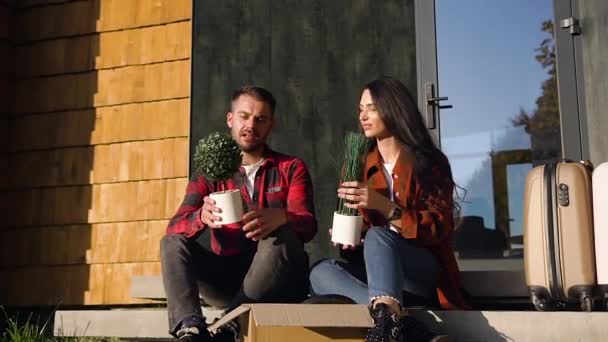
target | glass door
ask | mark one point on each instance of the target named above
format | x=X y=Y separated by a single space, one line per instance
x=488 y=89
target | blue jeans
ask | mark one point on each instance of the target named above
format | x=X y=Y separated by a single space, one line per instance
x=393 y=265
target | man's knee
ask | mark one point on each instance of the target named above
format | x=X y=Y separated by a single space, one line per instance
x=172 y=244
x=283 y=248
x=284 y=239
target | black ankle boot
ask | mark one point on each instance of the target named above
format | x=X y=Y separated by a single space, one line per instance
x=387 y=325
x=415 y=331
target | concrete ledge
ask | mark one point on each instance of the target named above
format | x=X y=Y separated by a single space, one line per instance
x=123 y=323
x=520 y=326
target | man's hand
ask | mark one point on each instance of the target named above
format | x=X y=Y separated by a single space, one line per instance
x=260 y=223
x=207 y=211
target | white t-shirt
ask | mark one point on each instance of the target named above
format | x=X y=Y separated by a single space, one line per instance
x=250 y=171
x=387 y=170
x=388 y=174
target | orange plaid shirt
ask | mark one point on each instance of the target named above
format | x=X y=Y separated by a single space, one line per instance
x=427 y=218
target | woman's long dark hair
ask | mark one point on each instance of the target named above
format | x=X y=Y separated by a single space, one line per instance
x=402 y=119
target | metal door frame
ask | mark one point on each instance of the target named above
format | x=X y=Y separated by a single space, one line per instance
x=504 y=281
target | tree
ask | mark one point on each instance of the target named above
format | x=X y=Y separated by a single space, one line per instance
x=543 y=123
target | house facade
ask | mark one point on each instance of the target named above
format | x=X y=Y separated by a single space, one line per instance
x=102 y=102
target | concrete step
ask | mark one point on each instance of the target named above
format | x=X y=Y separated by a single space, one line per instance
x=463 y=325
x=123 y=323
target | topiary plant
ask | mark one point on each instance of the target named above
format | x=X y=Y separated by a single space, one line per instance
x=356 y=146
x=217 y=157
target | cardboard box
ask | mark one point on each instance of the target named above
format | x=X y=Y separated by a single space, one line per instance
x=299 y=322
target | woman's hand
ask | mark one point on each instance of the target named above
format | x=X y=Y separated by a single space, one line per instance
x=361 y=196
x=344 y=247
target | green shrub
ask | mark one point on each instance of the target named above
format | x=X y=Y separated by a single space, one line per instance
x=217 y=157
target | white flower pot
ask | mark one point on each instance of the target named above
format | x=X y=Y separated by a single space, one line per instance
x=347 y=229
x=231 y=204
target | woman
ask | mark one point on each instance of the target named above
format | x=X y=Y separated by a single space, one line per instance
x=407 y=204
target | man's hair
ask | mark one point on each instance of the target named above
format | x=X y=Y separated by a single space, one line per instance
x=257 y=93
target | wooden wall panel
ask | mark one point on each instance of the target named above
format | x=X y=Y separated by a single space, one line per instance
x=122 y=14
x=114 y=202
x=142 y=121
x=97 y=146
x=61 y=56
x=114 y=124
x=6 y=60
x=141 y=160
x=56 y=93
x=74 y=284
x=83 y=17
x=5 y=96
x=71 y=166
x=116 y=282
x=30 y=3
x=151 y=82
x=5 y=22
x=146 y=200
x=143 y=46
x=106 y=50
x=79 y=244
x=52 y=130
x=137 y=160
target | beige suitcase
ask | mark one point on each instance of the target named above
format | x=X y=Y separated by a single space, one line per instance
x=558 y=236
x=600 y=226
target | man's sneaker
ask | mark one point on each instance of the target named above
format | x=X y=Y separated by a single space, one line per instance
x=193 y=329
x=387 y=325
x=415 y=331
x=193 y=334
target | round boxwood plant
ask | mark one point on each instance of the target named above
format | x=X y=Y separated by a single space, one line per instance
x=217 y=157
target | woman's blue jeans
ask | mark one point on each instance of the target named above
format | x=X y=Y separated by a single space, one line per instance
x=393 y=265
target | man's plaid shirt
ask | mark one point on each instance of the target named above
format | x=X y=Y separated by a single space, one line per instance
x=281 y=182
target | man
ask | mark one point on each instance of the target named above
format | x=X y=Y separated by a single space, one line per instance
x=261 y=261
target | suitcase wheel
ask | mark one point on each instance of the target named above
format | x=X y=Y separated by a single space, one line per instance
x=587 y=303
x=539 y=304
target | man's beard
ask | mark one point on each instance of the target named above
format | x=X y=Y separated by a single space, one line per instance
x=252 y=148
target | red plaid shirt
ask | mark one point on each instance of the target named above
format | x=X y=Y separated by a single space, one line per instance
x=281 y=182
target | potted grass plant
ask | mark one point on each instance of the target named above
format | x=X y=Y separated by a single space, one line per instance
x=218 y=157
x=347 y=222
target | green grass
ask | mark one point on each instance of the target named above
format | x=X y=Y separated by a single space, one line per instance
x=32 y=330
x=356 y=146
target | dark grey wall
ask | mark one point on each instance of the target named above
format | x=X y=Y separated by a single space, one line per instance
x=315 y=57
x=594 y=23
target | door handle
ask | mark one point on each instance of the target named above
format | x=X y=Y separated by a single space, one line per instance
x=432 y=104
